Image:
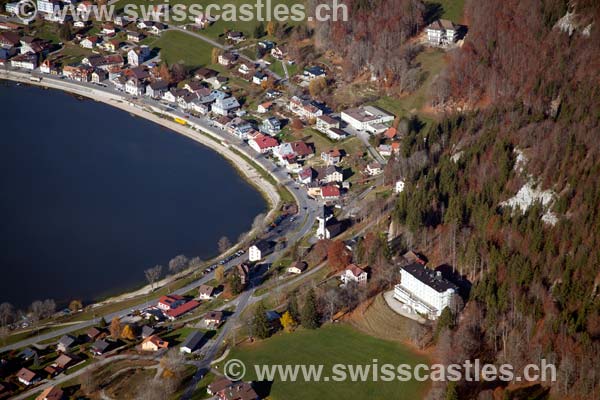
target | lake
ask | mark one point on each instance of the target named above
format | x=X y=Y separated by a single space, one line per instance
x=91 y=196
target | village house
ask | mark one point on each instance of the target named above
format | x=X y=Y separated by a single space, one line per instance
x=329 y=174
x=205 y=73
x=259 y=77
x=331 y=157
x=90 y=42
x=138 y=56
x=206 y=292
x=27 y=61
x=93 y=333
x=213 y=319
x=271 y=126
x=175 y=313
x=154 y=343
x=99 y=76
x=134 y=86
x=51 y=393
x=64 y=361
x=385 y=150
x=264 y=107
x=147 y=331
x=279 y=52
x=227 y=59
x=225 y=106
x=297 y=267
x=157 y=89
x=108 y=28
x=65 y=343
x=425 y=291
x=354 y=273
x=100 y=347
x=305 y=176
x=34 y=45
x=157 y=28
x=237 y=391
x=235 y=36
x=337 y=134
x=257 y=251
x=325 y=123
x=367 y=118
x=192 y=342
x=306 y=109
x=330 y=193
x=243 y=272
x=134 y=37
x=217 y=385
x=203 y=21
x=246 y=68
x=27 y=377
x=170 y=301
x=399 y=186
x=263 y=143
x=314 y=73
x=374 y=168
x=441 y=32
x=78 y=73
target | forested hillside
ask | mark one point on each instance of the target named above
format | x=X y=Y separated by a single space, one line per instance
x=529 y=79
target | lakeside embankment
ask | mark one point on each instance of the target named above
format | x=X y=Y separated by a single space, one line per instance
x=230 y=152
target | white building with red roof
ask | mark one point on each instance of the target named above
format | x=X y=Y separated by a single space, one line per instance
x=263 y=143
x=353 y=273
x=170 y=301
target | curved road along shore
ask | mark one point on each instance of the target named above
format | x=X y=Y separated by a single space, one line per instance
x=206 y=135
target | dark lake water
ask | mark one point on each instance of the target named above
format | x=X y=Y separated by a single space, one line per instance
x=91 y=196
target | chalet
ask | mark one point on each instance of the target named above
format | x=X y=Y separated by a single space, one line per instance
x=271 y=126
x=51 y=393
x=225 y=106
x=227 y=59
x=203 y=21
x=192 y=342
x=367 y=118
x=245 y=68
x=263 y=144
x=154 y=343
x=158 y=28
x=264 y=107
x=27 y=377
x=314 y=73
x=213 y=319
x=441 y=32
x=331 y=157
x=99 y=347
x=330 y=193
x=27 y=61
x=259 y=77
x=374 y=168
x=355 y=274
x=259 y=250
x=297 y=267
x=235 y=36
x=206 y=292
x=306 y=109
x=169 y=302
x=65 y=343
x=157 y=89
x=425 y=291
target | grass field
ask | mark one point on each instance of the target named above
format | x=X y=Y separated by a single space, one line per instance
x=327 y=346
x=178 y=47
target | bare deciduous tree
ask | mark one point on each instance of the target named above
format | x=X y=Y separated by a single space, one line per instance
x=7 y=314
x=224 y=244
x=178 y=264
x=153 y=274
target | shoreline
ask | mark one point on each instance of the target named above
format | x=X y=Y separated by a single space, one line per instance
x=245 y=169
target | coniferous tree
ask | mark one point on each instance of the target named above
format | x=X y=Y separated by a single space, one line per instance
x=310 y=315
x=260 y=323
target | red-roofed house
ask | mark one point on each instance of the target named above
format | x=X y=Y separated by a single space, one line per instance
x=302 y=150
x=391 y=133
x=354 y=273
x=170 y=302
x=182 y=309
x=330 y=192
x=263 y=144
x=27 y=377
